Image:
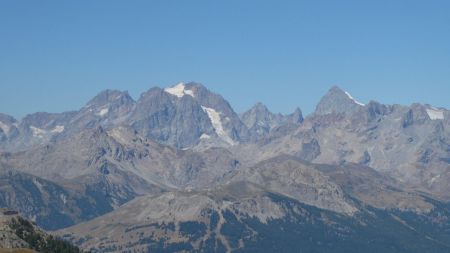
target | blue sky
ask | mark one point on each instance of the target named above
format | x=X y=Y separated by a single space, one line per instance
x=56 y=55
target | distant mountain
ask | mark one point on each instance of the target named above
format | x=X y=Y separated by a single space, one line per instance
x=337 y=101
x=181 y=116
x=108 y=108
x=408 y=143
x=8 y=129
x=186 y=113
x=179 y=170
x=260 y=121
x=171 y=119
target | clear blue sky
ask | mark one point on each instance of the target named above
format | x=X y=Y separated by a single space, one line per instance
x=56 y=55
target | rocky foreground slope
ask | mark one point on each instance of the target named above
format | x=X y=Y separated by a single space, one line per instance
x=18 y=234
x=179 y=170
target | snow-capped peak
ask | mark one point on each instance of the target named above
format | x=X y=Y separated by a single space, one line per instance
x=354 y=100
x=179 y=90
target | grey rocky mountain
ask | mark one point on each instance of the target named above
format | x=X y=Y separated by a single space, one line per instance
x=41 y=127
x=298 y=180
x=8 y=128
x=171 y=119
x=102 y=170
x=109 y=108
x=48 y=203
x=240 y=216
x=181 y=116
x=337 y=101
x=178 y=170
x=260 y=121
x=409 y=143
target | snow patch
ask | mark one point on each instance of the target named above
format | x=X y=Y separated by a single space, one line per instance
x=58 y=129
x=4 y=127
x=435 y=178
x=189 y=92
x=214 y=116
x=435 y=114
x=354 y=100
x=37 y=132
x=63 y=198
x=205 y=137
x=38 y=185
x=179 y=90
x=103 y=111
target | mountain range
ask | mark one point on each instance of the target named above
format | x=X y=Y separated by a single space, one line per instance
x=178 y=170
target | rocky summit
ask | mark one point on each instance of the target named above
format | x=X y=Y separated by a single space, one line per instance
x=178 y=170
